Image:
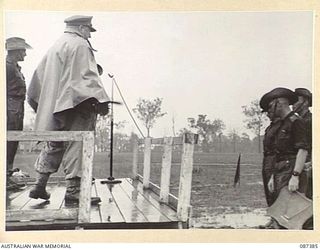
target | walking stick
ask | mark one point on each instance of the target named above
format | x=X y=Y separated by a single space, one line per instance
x=111 y=179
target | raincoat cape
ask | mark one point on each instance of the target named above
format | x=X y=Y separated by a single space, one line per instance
x=66 y=76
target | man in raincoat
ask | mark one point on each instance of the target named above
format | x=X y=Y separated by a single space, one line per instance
x=67 y=94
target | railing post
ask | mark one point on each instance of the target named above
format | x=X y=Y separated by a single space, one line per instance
x=135 y=149
x=166 y=170
x=86 y=179
x=146 y=162
x=183 y=207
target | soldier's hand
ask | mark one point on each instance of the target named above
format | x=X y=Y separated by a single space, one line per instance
x=293 y=183
x=271 y=184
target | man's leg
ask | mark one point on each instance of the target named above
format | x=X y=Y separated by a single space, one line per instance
x=83 y=119
x=12 y=147
x=267 y=171
x=282 y=175
x=14 y=122
x=48 y=162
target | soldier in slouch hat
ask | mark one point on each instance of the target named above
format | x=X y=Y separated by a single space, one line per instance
x=16 y=93
x=290 y=145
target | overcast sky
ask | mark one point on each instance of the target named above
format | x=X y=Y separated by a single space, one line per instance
x=199 y=62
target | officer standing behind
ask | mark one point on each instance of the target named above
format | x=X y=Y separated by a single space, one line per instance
x=16 y=94
x=290 y=142
x=67 y=94
x=302 y=108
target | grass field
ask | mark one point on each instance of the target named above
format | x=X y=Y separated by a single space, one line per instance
x=213 y=196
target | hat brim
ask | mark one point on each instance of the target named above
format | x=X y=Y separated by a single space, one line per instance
x=277 y=93
x=19 y=47
x=28 y=46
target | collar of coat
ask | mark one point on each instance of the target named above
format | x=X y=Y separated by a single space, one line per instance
x=72 y=30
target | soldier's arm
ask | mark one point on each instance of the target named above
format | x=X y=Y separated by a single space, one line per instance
x=300 y=160
x=300 y=142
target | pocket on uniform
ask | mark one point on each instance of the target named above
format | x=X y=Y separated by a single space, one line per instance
x=283 y=139
x=13 y=105
x=12 y=120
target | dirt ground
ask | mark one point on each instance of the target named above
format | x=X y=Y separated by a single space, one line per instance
x=216 y=203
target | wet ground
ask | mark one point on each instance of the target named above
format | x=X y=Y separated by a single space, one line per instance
x=216 y=202
x=229 y=219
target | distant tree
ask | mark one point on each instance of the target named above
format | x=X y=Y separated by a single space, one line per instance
x=234 y=138
x=183 y=131
x=207 y=130
x=148 y=111
x=122 y=142
x=245 y=137
x=220 y=142
x=255 y=119
x=102 y=132
x=173 y=126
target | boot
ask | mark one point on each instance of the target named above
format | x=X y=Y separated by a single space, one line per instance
x=73 y=193
x=14 y=186
x=39 y=191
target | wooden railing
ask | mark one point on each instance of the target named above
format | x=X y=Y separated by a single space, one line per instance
x=87 y=137
x=182 y=202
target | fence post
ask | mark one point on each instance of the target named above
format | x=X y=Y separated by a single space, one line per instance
x=135 y=148
x=183 y=207
x=146 y=162
x=166 y=170
x=86 y=179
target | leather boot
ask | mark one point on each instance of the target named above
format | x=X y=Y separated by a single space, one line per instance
x=73 y=193
x=39 y=191
x=12 y=185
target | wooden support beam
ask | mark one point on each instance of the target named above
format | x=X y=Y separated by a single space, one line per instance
x=135 y=148
x=183 y=208
x=39 y=215
x=44 y=135
x=86 y=179
x=166 y=170
x=147 y=162
x=176 y=141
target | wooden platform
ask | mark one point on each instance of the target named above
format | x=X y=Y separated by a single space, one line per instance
x=124 y=206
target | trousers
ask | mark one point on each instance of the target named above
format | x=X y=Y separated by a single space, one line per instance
x=67 y=154
x=15 y=113
x=267 y=171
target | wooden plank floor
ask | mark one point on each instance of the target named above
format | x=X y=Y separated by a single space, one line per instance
x=123 y=206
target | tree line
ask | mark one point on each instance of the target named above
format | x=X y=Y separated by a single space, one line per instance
x=213 y=136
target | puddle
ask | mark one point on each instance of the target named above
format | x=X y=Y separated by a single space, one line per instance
x=228 y=219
